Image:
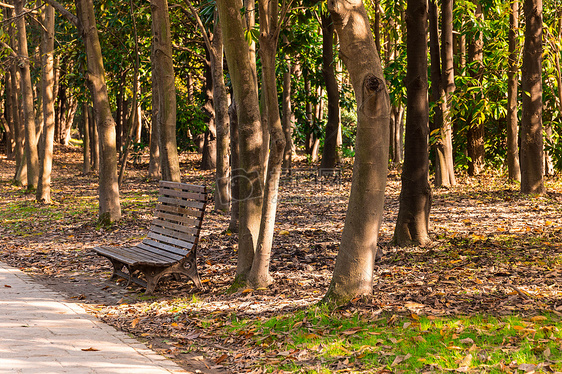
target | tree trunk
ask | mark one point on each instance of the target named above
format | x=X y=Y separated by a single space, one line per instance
x=244 y=86
x=269 y=35
x=288 y=116
x=475 y=134
x=164 y=73
x=31 y=155
x=154 y=171
x=87 y=165
x=415 y=197
x=513 y=167
x=208 y=158
x=330 y=151
x=109 y=206
x=235 y=167
x=47 y=91
x=532 y=159
x=448 y=85
x=95 y=144
x=353 y=274
x=220 y=102
x=9 y=110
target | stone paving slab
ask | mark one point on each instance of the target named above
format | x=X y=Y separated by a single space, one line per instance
x=41 y=333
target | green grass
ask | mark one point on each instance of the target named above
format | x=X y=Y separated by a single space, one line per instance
x=322 y=340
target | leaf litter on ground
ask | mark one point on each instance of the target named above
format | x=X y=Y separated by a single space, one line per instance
x=494 y=261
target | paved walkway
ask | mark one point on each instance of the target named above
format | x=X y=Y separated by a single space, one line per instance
x=40 y=333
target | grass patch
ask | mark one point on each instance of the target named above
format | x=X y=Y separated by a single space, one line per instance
x=317 y=341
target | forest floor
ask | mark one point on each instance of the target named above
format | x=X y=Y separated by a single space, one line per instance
x=495 y=253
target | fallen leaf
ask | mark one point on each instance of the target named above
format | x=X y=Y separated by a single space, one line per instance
x=527 y=367
x=91 y=349
x=135 y=322
x=538 y=318
x=7 y=286
x=467 y=341
x=221 y=359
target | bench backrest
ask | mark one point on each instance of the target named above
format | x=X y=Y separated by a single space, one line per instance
x=178 y=217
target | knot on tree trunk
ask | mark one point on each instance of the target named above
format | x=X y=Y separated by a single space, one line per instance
x=373 y=83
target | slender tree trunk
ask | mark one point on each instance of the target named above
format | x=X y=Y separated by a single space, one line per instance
x=154 y=170
x=87 y=165
x=9 y=110
x=269 y=35
x=532 y=159
x=448 y=85
x=208 y=159
x=109 y=205
x=513 y=167
x=415 y=197
x=47 y=91
x=475 y=134
x=221 y=121
x=95 y=144
x=235 y=167
x=330 y=151
x=31 y=155
x=353 y=274
x=162 y=40
x=288 y=116
x=244 y=86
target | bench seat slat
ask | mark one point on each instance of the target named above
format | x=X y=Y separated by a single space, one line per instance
x=164 y=249
x=158 y=253
x=131 y=257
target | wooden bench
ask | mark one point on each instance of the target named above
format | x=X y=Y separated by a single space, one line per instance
x=171 y=244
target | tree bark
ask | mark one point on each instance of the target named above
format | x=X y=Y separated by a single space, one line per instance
x=235 y=167
x=208 y=159
x=87 y=165
x=330 y=151
x=109 y=205
x=513 y=166
x=475 y=134
x=47 y=91
x=532 y=159
x=31 y=155
x=415 y=197
x=353 y=273
x=164 y=73
x=154 y=170
x=269 y=36
x=251 y=137
x=221 y=121
x=448 y=84
x=288 y=115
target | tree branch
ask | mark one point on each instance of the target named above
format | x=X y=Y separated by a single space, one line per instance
x=63 y=11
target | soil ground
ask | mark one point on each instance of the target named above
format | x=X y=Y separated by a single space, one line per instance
x=494 y=251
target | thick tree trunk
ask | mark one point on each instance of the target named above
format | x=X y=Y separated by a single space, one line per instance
x=532 y=159
x=330 y=151
x=164 y=73
x=353 y=274
x=415 y=197
x=47 y=92
x=475 y=134
x=513 y=167
x=251 y=138
x=109 y=206
x=31 y=154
